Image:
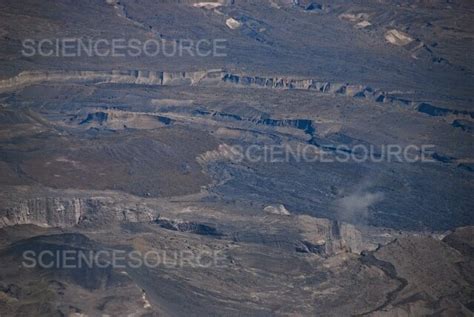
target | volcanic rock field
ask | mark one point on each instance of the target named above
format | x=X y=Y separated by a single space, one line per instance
x=123 y=154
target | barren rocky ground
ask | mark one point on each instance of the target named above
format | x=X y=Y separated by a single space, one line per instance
x=120 y=154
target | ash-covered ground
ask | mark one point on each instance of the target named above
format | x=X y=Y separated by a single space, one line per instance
x=236 y=158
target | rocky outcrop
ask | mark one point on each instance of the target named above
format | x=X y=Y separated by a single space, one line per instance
x=217 y=77
x=329 y=237
x=68 y=212
x=233 y=23
x=441 y=112
x=306 y=125
x=44 y=212
x=191 y=227
x=118 y=120
x=398 y=38
x=138 y=77
x=276 y=210
x=224 y=152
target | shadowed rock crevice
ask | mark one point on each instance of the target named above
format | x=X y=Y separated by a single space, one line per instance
x=441 y=112
x=190 y=227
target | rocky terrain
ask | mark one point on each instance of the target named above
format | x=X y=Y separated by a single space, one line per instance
x=124 y=156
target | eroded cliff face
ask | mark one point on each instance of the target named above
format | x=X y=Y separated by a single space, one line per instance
x=211 y=77
x=68 y=212
x=328 y=237
x=311 y=235
x=205 y=77
x=138 y=77
x=44 y=212
x=304 y=234
x=143 y=77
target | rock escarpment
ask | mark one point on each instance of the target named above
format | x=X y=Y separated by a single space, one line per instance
x=138 y=77
x=327 y=237
x=206 y=77
x=215 y=77
x=68 y=212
